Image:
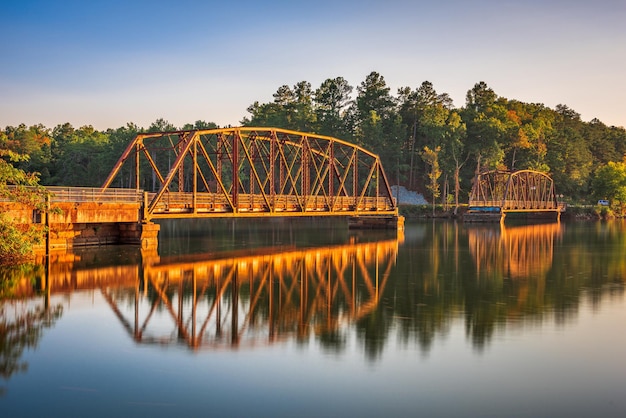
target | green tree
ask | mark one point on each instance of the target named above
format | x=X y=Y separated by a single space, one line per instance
x=291 y=109
x=161 y=125
x=16 y=244
x=118 y=140
x=265 y=114
x=415 y=108
x=483 y=118
x=331 y=100
x=374 y=106
x=609 y=183
x=304 y=118
x=33 y=141
x=569 y=157
x=431 y=157
x=603 y=141
x=374 y=94
x=433 y=123
x=200 y=124
x=530 y=143
x=454 y=154
x=79 y=156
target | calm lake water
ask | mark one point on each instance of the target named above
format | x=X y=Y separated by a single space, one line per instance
x=308 y=319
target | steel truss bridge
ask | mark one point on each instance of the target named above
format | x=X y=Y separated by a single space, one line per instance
x=498 y=192
x=248 y=171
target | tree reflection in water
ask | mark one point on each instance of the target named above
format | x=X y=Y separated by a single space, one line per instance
x=494 y=278
x=488 y=279
x=22 y=322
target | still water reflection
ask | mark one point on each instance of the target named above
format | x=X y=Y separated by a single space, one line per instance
x=308 y=319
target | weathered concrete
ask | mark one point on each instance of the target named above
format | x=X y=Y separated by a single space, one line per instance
x=87 y=224
x=95 y=212
x=142 y=234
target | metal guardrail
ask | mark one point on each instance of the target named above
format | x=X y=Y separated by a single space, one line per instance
x=211 y=202
x=88 y=194
x=517 y=204
x=82 y=194
x=214 y=202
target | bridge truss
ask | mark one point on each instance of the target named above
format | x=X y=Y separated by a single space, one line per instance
x=517 y=191
x=250 y=171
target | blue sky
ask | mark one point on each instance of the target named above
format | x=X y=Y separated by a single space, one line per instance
x=106 y=63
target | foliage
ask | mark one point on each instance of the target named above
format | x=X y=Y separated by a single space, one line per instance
x=15 y=243
x=11 y=175
x=331 y=100
x=21 y=330
x=487 y=131
x=609 y=183
x=33 y=143
x=603 y=212
x=79 y=156
x=431 y=157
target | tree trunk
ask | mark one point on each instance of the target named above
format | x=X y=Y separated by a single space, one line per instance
x=412 y=156
x=457 y=188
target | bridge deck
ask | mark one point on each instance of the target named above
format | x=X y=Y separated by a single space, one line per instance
x=517 y=206
x=177 y=205
x=249 y=205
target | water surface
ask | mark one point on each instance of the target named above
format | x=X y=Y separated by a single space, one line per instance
x=305 y=318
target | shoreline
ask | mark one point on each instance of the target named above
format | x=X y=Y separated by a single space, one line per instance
x=573 y=213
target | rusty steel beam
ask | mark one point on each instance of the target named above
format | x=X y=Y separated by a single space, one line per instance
x=266 y=171
x=518 y=191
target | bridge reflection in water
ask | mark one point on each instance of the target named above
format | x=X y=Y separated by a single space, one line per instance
x=240 y=299
x=522 y=251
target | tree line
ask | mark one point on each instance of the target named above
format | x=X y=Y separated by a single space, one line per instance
x=424 y=141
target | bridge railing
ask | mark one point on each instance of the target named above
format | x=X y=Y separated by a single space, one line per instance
x=530 y=205
x=483 y=203
x=82 y=194
x=88 y=194
x=214 y=203
x=517 y=204
x=217 y=202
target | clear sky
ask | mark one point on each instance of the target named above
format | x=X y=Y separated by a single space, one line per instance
x=106 y=63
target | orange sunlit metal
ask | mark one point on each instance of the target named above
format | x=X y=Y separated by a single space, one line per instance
x=517 y=191
x=249 y=171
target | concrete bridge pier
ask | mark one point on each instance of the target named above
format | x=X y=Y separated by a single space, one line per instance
x=144 y=234
x=67 y=236
x=79 y=224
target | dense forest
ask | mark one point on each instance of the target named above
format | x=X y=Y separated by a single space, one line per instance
x=425 y=143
